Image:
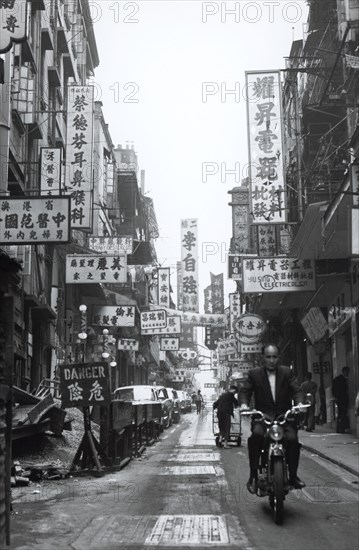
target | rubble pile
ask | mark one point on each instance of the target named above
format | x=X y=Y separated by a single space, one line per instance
x=48 y=457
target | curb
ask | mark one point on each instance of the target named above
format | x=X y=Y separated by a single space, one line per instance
x=330 y=459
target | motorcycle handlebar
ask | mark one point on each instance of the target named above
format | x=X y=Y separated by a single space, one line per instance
x=296 y=409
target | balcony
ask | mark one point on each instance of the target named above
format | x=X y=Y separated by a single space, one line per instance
x=47 y=43
x=53 y=76
x=62 y=40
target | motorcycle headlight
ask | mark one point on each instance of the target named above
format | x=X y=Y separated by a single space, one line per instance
x=276 y=432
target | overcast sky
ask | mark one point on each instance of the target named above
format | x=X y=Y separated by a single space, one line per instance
x=155 y=60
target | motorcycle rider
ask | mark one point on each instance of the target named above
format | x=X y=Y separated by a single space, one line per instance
x=273 y=386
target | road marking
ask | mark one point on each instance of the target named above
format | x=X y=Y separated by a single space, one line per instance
x=195 y=457
x=189 y=530
x=330 y=494
x=164 y=437
x=171 y=432
x=188 y=470
x=114 y=532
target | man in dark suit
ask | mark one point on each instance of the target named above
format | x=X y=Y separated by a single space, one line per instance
x=273 y=386
x=341 y=396
x=224 y=406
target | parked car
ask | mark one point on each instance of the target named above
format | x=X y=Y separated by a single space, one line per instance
x=142 y=394
x=167 y=405
x=176 y=412
x=185 y=401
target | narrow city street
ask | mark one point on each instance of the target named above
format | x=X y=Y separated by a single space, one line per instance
x=185 y=492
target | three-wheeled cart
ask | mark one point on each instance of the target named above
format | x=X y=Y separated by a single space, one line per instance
x=236 y=428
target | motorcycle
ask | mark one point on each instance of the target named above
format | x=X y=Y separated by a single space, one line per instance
x=273 y=479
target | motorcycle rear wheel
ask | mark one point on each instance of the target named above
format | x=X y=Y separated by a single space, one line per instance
x=277 y=497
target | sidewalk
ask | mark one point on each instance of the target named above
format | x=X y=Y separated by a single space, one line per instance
x=341 y=449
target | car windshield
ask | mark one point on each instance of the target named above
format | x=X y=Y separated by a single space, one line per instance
x=134 y=394
x=162 y=394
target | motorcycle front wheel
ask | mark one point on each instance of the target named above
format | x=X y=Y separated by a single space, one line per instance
x=276 y=499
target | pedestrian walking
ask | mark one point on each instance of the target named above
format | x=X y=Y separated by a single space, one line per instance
x=310 y=387
x=225 y=405
x=341 y=396
x=199 y=401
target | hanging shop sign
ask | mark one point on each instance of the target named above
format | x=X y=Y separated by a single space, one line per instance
x=234 y=267
x=84 y=384
x=244 y=366
x=187 y=354
x=321 y=367
x=169 y=344
x=113 y=316
x=234 y=310
x=111 y=245
x=354 y=183
x=163 y=286
x=227 y=347
x=338 y=316
x=13 y=21
x=278 y=275
x=314 y=324
x=218 y=320
x=250 y=328
x=79 y=144
x=189 y=264
x=129 y=344
x=179 y=285
x=207 y=294
x=173 y=326
x=355 y=232
x=50 y=170
x=153 y=319
x=34 y=220
x=95 y=269
x=250 y=348
x=217 y=293
x=264 y=113
x=266 y=240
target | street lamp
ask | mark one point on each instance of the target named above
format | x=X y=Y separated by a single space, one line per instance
x=83 y=322
x=105 y=353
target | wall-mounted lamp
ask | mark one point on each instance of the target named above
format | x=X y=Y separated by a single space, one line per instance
x=105 y=353
x=83 y=322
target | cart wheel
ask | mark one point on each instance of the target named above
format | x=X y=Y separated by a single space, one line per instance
x=218 y=444
x=239 y=441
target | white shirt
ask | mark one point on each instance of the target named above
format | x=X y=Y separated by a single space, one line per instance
x=271 y=377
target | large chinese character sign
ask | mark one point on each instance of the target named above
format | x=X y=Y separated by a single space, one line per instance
x=189 y=264
x=163 y=286
x=84 y=384
x=95 y=269
x=13 y=21
x=50 y=170
x=278 y=275
x=267 y=186
x=79 y=141
x=34 y=220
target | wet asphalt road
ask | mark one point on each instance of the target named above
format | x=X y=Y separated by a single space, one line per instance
x=185 y=492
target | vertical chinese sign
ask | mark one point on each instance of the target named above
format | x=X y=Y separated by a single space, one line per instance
x=50 y=170
x=217 y=293
x=179 y=286
x=354 y=177
x=234 y=310
x=264 y=112
x=207 y=293
x=79 y=142
x=13 y=21
x=189 y=261
x=163 y=286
